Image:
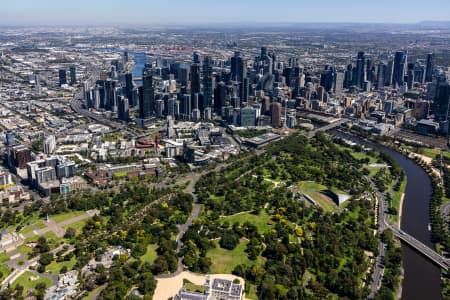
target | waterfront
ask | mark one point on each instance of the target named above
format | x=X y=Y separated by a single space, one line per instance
x=421 y=276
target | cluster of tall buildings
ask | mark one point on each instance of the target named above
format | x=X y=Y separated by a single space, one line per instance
x=249 y=91
x=63 y=76
x=198 y=90
x=395 y=72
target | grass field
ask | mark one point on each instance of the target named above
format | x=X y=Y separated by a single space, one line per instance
x=66 y=216
x=78 y=226
x=55 y=267
x=433 y=152
x=260 y=220
x=5 y=271
x=30 y=239
x=38 y=224
x=25 y=281
x=190 y=287
x=363 y=155
x=25 y=250
x=251 y=294
x=52 y=239
x=151 y=254
x=313 y=190
x=396 y=196
x=224 y=261
x=3 y=257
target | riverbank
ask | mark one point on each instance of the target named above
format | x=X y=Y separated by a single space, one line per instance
x=400 y=211
x=422 y=279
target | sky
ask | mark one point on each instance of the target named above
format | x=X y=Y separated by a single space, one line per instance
x=115 y=12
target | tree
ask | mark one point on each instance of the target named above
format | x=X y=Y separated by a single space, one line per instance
x=160 y=265
x=147 y=283
x=41 y=245
x=46 y=259
x=229 y=240
x=70 y=233
x=253 y=248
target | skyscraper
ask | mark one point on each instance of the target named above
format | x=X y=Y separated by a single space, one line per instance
x=430 y=67
x=62 y=77
x=381 y=76
x=219 y=97
x=207 y=82
x=442 y=101
x=248 y=116
x=276 y=114
x=196 y=57
x=419 y=72
x=243 y=90
x=73 y=75
x=237 y=67
x=146 y=96
x=326 y=78
x=185 y=106
x=338 y=84
x=410 y=76
x=348 y=81
x=110 y=94
x=389 y=73
x=123 y=108
x=360 y=71
x=195 y=79
x=129 y=87
x=400 y=63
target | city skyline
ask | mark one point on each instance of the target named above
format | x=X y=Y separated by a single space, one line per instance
x=47 y=12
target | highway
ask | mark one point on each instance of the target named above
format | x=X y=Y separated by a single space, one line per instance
x=377 y=275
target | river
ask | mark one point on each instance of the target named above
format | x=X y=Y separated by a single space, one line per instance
x=140 y=59
x=422 y=277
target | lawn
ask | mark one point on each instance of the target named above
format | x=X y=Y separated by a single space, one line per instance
x=313 y=190
x=251 y=293
x=5 y=271
x=190 y=287
x=311 y=186
x=39 y=224
x=55 y=267
x=25 y=281
x=396 y=196
x=66 y=216
x=260 y=220
x=31 y=239
x=3 y=257
x=429 y=152
x=25 y=250
x=362 y=155
x=78 y=226
x=224 y=261
x=433 y=152
x=150 y=255
x=52 y=239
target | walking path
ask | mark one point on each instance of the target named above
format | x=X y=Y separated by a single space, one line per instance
x=58 y=228
x=400 y=211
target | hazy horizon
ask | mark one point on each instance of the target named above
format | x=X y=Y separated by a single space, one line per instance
x=201 y=12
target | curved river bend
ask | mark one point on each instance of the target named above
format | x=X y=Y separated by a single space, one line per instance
x=422 y=278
